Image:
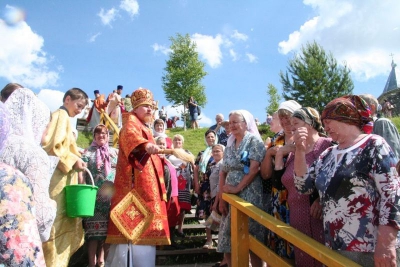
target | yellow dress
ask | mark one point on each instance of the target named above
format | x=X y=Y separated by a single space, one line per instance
x=67 y=233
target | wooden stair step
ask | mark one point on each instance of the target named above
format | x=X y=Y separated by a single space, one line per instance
x=193 y=226
x=185 y=251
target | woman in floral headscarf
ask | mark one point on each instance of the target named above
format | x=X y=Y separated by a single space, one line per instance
x=357 y=183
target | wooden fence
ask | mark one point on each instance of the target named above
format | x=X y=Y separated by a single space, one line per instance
x=243 y=242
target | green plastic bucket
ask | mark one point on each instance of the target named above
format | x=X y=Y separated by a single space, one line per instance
x=81 y=199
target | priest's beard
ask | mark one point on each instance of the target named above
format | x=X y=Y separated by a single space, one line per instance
x=148 y=118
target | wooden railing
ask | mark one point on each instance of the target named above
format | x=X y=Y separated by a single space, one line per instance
x=109 y=123
x=243 y=242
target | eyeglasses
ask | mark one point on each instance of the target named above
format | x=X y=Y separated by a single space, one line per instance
x=102 y=133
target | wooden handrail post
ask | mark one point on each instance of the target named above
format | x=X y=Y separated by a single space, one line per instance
x=240 y=238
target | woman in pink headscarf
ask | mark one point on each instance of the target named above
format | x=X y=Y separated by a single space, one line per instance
x=102 y=161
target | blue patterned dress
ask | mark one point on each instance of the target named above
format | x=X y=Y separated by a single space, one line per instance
x=252 y=193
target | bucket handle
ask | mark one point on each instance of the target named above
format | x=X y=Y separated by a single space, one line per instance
x=90 y=175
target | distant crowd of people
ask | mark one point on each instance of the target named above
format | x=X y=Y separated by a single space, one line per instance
x=333 y=176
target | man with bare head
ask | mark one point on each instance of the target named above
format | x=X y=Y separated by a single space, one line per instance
x=383 y=126
x=219 y=129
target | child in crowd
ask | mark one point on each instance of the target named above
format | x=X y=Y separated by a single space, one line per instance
x=67 y=233
x=171 y=185
x=159 y=131
x=213 y=178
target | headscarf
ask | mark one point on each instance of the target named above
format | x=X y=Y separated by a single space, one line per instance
x=289 y=105
x=305 y=114
x=251 y=126
x=4 y=126
x=157 y=134
x=29 y=116
x=205 y=157
x=102 y=154
x=350 y=109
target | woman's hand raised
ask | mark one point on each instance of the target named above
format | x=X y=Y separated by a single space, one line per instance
x=299 y=137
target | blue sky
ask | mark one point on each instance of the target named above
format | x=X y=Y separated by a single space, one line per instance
x=94 y=44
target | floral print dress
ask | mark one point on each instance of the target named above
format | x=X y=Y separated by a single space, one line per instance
x=359 y=190
x=96 y=226
x=20 y=244
x=251 y=193
x=278 y=207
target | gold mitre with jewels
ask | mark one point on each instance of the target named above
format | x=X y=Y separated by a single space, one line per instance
x=142 y=97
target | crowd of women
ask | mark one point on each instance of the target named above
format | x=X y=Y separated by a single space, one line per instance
x=325 y=175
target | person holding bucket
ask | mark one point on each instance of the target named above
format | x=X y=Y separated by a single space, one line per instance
x=138 y=208
x=101 y=160
x=66 y=235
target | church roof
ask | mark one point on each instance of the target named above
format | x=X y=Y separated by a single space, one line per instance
x=391 y=83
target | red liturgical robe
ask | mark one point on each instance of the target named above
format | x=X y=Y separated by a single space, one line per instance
x=138 y=208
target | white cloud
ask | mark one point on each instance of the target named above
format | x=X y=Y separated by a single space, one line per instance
x=213 y=48
x=93 y=38
x=233 y=54
x=52 y=98
x=252 y=58
x=239 y=36
x=130 y=6
x=22 y=58
x=163 y=49
x=209 y=48
x=107 y=16
x=362 y=33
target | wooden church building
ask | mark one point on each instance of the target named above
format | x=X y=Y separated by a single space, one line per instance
x=391 y=92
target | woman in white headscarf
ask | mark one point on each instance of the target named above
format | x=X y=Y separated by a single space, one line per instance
x=159 y=131
x=272 y=169
x=29 y=118
x=20 y=243
x=239 y=175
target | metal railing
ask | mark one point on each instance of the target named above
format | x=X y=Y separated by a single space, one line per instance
x=243 y=242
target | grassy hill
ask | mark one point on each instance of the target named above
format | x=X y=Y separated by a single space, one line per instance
x=194 y=139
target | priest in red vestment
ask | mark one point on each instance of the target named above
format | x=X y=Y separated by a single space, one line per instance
x=138 y=208
x=99 y=104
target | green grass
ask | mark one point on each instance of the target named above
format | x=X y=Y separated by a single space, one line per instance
x=194 y=139
x=396 y=121
x=84 y=139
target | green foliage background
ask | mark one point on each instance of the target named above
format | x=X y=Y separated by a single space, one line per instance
x=313 y=78
x=183 y=74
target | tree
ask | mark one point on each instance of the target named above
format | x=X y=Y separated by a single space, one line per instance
x=315 y=78
x=183 y=74
x=274 y=99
